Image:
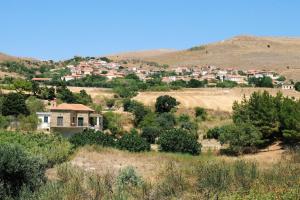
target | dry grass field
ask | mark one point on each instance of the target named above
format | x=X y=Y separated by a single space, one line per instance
x=209 y=98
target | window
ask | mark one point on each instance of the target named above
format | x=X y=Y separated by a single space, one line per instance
x=80 y=121
x=60 y=121
x=46 y=119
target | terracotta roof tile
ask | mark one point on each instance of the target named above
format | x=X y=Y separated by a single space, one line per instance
x=74 y=107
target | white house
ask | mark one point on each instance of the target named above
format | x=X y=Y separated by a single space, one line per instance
x=286 y=86
x=44 y=118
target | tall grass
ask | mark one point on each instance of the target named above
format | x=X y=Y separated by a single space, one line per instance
x=205 y=179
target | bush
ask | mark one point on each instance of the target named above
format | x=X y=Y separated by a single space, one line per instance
x=165 y=104
x=128 y=178
x=112 y=121
x=150 y=133
x=90 y=137
x=14 y=104
x=242 y=138
x=19 y=170
x=133 y=142
x=4 y=122
x=215 y=132
x=179 y=140
x=54 y=149
x=200 y=113
x=166 y=121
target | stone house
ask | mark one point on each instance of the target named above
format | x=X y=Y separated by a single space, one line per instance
x=71 y=118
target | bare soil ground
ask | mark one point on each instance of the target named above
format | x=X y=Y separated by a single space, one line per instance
x=209 y=98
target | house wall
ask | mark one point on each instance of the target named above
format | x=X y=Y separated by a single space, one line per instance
x=66 y=118
x=85 y=116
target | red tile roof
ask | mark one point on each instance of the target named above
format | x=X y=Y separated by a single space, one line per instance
x=41 y=79
x=74 y=107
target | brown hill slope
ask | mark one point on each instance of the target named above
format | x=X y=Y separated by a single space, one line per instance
x=244 y=52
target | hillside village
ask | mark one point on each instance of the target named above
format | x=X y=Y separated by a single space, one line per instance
x=211 y=74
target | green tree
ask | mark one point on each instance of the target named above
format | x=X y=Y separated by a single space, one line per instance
x=35 y=88
x=19 y=170
x=150 y=133
x=14 y=104
x=242 y=138
x=260 y=110
x=22 y=85
x=83 y=98
x=34 y=105
x=179 y=140
x=165 y=104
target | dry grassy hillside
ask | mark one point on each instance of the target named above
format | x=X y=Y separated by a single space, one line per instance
x=245 y=52
x=5 y=57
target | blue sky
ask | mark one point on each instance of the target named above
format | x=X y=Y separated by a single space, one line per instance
x=59 y=29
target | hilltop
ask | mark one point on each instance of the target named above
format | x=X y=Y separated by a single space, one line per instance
x=281 y=54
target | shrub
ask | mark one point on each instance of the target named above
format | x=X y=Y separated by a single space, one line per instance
x=215 y=132
x=28 y=123
x=128 y=178
x=90 y=137
x=166 y=121
x=242 y=138
x=165 y=103
x=4 y=122
x=14 y=104
x=54 y=149
x=112 y=121
x=150 y=133
x=19 y=170
x=133 y=142
x=200 y=113
x=179 y=140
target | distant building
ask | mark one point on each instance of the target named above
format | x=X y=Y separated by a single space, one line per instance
x=44 y=120
x=286 y=86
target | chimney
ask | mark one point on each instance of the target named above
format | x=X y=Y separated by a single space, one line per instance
x=53 y=103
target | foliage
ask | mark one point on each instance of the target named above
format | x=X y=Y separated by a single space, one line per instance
x=34 y=105
x=18 y=67
x=14 y=104
x=90 y=137
x=194 y=83
x=54 y=149
x=150 y=133
x=274 y=116
x=4 y=122
x=21 y=85
x=166 y=121
x=179 y=140
x=261 y=111
x=133 y=142
x=261 y=82
x=28 y=123
x=112 y=122
x=281 y=78
x=83 y=98
x=227 y=84
x=242 y=138
x=165 y=103
x=297 y=86
x=128 y=178
x=216 y=177
x=66 y=95
x=200 y=113
x=186 y=123
x=110 y=103
x=19 y=170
